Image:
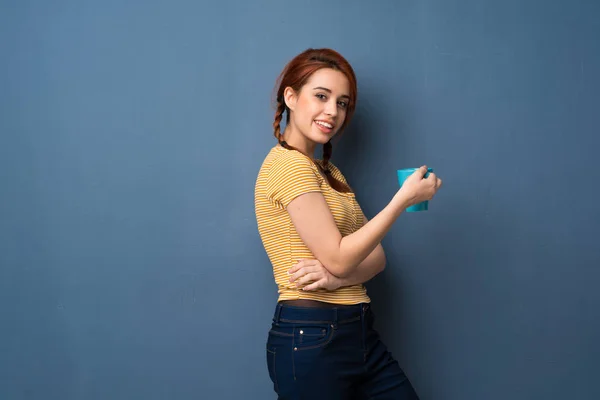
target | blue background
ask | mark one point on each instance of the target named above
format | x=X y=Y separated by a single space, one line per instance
x=131 y=134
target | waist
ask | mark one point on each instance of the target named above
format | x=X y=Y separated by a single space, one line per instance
x=309 y=303
x=346 y=295
x=311 y=311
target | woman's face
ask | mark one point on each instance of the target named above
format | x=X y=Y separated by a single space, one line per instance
x=319 y=110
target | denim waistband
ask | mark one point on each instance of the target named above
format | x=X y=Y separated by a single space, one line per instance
x=334 y=315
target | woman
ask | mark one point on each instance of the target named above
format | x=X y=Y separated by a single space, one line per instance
x=322 y=344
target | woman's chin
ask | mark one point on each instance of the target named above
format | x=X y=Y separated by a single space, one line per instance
x=321 y=138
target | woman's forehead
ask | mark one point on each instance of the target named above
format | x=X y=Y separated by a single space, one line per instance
x=330 y=79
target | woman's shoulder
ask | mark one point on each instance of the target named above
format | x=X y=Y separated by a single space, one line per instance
x=285 y=174
x=282 y=158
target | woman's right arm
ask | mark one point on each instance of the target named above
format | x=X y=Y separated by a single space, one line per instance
x=314 y=223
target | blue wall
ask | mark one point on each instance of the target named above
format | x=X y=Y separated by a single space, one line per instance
x=130 y=138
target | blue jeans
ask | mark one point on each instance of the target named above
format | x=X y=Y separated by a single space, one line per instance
x=332 y=354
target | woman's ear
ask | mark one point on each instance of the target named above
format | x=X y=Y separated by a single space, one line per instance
x=290 y=98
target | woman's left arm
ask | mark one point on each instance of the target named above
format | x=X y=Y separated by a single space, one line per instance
x=312 y=272
x=367 y=269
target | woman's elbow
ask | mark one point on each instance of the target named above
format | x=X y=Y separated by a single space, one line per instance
x=382 y=259
x=383 y=264
x=340 y=271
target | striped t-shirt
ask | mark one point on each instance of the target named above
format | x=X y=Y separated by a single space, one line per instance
x=284 y=175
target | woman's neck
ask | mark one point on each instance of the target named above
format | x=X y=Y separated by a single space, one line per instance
x=299 y=141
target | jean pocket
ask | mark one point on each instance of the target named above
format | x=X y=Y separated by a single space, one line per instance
x=311 y=336
x=301 y=335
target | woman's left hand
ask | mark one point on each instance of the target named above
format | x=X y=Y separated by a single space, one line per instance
x=313 y=273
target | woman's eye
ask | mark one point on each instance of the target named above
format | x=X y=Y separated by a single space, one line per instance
x=343 y=104
x=321 y=96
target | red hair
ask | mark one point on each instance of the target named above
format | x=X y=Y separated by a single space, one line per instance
x=295 y=75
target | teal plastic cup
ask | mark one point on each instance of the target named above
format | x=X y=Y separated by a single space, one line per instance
x=405 y=173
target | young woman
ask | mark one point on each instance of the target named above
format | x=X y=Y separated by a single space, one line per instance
x=322 y=344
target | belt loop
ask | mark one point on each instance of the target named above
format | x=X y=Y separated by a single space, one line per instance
x=278 y=312
x=335 y=316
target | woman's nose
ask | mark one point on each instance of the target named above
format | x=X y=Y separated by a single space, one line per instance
x=331 y=109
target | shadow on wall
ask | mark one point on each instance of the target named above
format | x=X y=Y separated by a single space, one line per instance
x=447 y=298
x=455 y=285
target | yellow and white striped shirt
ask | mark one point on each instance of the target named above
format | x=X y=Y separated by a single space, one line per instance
x=284 y=175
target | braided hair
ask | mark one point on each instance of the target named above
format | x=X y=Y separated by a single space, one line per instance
x=295 y=75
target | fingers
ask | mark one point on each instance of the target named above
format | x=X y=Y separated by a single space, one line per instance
x=303 y=271
x=310 y=274
x=310 y=277
x=437 y=182
x=308 y=271
x=315 y=285
x=301 y=264
x=296 y=267
x=422 y=170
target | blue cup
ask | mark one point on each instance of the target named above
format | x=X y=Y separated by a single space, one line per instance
x=405 y=173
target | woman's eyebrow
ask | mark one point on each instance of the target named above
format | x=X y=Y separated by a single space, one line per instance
x=329 y=91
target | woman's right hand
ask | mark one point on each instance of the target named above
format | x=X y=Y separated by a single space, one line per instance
x=416 y=188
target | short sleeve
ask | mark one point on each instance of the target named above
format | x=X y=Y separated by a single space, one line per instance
x=291 y=175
